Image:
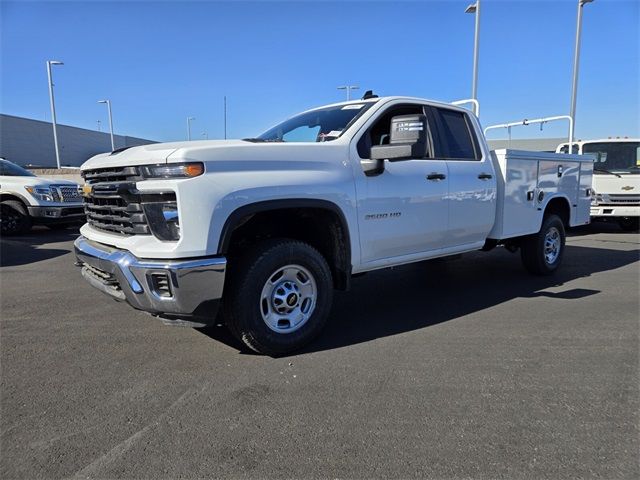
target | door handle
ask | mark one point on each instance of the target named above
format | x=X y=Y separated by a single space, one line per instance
x=436 y=176
x=485 y=176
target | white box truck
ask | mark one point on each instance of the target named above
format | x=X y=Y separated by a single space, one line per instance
x=616 y=179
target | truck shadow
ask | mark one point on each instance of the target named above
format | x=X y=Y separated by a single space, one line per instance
x=34 y=247
x=417 y=296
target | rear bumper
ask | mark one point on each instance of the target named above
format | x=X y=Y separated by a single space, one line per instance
x=174 y=289
x=615 y=211
x=56 y=214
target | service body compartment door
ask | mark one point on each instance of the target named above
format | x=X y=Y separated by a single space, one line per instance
x=583 y=209
x=516 y=213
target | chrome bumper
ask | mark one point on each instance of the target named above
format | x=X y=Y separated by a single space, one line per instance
x=167 y=288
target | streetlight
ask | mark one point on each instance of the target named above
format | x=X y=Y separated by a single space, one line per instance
x=99 y=125
x=108 y=102
x=189 y=127
x=53 y=109
x=576 y=64
x=475 y=8
x=348 y=88
x=205 y=135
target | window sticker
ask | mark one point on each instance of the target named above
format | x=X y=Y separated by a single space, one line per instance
x=353 y=106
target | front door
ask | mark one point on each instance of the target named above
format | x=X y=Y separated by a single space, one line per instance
x=402 y=211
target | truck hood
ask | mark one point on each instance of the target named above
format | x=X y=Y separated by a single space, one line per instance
x=25 y=181
x=629 y=184
x=214 y=150
x=140 y=155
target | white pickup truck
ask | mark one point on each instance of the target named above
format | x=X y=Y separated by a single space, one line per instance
x=616 y=179
x=265 y=228
x=26 y=200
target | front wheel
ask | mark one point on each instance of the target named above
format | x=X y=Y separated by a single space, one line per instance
x=14 y=218
x=629 y=224
x=278 y=296
x=542 y=252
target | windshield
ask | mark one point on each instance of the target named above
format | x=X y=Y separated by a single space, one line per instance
x=619 y=157
x=321 y=125
x=12 y=170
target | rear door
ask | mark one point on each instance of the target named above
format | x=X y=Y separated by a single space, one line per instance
x=472 y=182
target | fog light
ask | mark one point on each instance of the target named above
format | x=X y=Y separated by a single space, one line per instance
x=163 y=219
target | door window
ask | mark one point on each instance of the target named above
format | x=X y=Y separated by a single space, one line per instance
x=456 y=138
x=378 y=133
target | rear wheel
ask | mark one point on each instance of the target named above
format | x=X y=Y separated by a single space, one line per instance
x=629 y=224
x=278 y=296
x=542 y=252
x=14 y=218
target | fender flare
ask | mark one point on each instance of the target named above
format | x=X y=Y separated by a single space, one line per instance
x=234 y=219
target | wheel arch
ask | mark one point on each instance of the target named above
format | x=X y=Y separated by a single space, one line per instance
x=13 y=196
x=324 y=226
x=561 y=206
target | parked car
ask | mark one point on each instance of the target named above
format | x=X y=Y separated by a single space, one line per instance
x=263 y=229
x=616 y=179
x=27 y=200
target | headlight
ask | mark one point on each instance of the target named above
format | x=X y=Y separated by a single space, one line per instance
x=597 y=198
x=42 y=193
x=173 y=170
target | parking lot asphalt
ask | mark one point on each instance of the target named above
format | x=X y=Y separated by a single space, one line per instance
x=468 y=368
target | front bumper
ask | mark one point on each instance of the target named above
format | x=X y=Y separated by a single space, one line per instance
x=173 y=289
x=615 y=211
x=57 y=214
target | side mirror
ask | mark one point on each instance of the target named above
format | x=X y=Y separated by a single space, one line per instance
x=408 y=139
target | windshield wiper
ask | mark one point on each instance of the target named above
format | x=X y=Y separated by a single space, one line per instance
x=263 y=140
x=604 y=170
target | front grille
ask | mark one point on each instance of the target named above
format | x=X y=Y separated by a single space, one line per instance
x=104 y=277
x=114 y=174
x=65 y=193
x=622 y=199
x=115 y=205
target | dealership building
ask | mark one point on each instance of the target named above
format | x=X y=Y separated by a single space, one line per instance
x=29 y=142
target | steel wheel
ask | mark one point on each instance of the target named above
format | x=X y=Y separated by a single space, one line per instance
x=288 y=298
x=552 y=245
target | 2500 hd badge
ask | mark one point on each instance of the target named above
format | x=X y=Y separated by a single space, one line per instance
x=380 y=216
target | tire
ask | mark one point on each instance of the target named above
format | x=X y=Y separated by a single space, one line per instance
x=278 y=274
x=542 y=252
x=14 y=218
x=629 y=224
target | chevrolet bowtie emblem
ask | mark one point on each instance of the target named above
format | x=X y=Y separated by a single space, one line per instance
x=86 y=190
x=627 y=187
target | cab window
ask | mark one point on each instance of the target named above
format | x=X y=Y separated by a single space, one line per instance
x=457 y=140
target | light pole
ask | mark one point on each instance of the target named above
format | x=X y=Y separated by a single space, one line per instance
x=225 y=117
x=576 y=64
x=348 y=88
x=53 y=109
x=108 y=102
x=205 y=135
x=475 y=8
x=189 y=127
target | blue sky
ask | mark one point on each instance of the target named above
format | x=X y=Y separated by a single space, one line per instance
x=160 y=62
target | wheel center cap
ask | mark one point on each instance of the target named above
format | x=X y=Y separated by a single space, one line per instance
x=292 y=299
